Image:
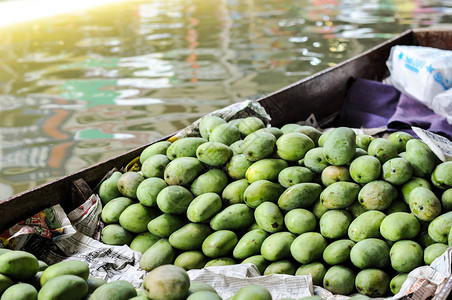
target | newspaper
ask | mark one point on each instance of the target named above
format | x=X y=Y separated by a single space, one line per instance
x=54 y=236
x=440 y=145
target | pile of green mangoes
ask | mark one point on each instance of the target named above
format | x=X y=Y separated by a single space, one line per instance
x=24 y=277
x=356 y=212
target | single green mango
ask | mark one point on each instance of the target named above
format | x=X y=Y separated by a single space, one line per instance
x=204 y=207
x=372 y=282
x=161 y=253
x=258 y=145
x=340 y=146
x=265 y=169
x=213 y=153
x=382 y=149
x=365 y=169
x=164 y=225
x=399 y=139
x=338 y=252
x=316 y=269
x=108 y=189
x=406 y=256
x=128 y=184
x=339 y=195
x=293 y=146
x=225 y=134
x=269 y=217
x=156 y=148
x=182 y=171
x=315 y=160
x=301 y=195
x=155 y=166
x=261 y=191
x=149 y=189
x=207 y=124
x=308 y=247
x=400 y=226
x=233 y=217
x=250 y=244
x=233 y=193
x=190 y=237
x=421 y=158
x=300 y=220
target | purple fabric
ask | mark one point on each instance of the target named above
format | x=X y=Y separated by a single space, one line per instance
x=371 y=104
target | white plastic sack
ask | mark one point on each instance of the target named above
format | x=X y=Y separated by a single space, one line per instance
x=422 y=73
x=442 y=105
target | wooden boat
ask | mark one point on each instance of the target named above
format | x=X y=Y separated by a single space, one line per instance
x=321 y=94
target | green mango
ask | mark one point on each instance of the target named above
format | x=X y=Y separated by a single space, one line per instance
x=189 y=260
x=442 y=175
x=236 y=147
x=18 y=265
x=277 y=246
x=300 y=220
x=233 y=193
x=434 y=251
x=136 y=217
x=167 y=282
x=250 y=125
x=269 y=217
x=340 y=146
x=308 y=247
x=113 y=209
x=265 y=169
x=397 y=281
x=143 y=241
x=363 y=141
x=119 y=289
x=207 y=124
x=156 y=148
x=413 y=183
x=382 y=149
x=338 y=252
x=273 y=130
x=365 y=169
x=439 y=228
x=69 y=287
x=322 y=138
x=356 y=209
x=42 y=265
x=233 y=217
x=339 y=280
x=258 y=145
x=250 y=244
x=148 y=190
x=397 y=171
x=5 y=283
x=174 y=199
x=332 y=174
x=155 y=166
x=318 y=209
x=70 y=267
x=400 y=226
x=284 y=266
x=446 y=199
x=259 y=261
x=366 y=225
x=213 y=181
x=358 y=152
x=94 y=283
x=115 y=234
x=293 y=175
x=293 y=146
x=424 y=240
x=261 y=191
x=421 y=158
x=222 y=261
x=370 y=253
x=204 y=295
x=204 y=207
x=197 y=286
x=182 y=171
x=377 y=195
x=339 y=195
x=225 y=134
x=219 y=243
x=20 y=291
x=397 y=206
x=164 y=225
x=128 y=184
x=334 y=223
x=424 y=204
x=399 y=140
x=190 y=237
x=236 y=167
x=316 y=269
x=372 y=282
x=301 y=195
x=313 y=133
x=406 y=256
x=254 y=292
x=161 y=253
x=315 y=160
x=213 y=153
x=108 y=189
x=290 y=127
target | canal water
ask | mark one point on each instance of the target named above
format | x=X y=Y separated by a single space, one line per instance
x=78 y=88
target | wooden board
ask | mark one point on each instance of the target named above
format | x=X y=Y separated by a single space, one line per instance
x=322 y=94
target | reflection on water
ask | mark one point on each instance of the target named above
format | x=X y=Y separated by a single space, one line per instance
x=80 y=88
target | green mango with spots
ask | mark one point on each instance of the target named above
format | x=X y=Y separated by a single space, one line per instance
x=213 y=181
x=363 y=141
x=161 y=253
x=365 y=169
x=293 y=146
x=234 y=192
x=340 y=146
x=214 y=153
x=237 y=166
x=434 y=251
x=301 y=195
x=225 y=134
x=258 y=145
x=316 y=269
x=421 y=158
x=338 y=252
x=442 y=175
x=397 y=171
x=382 y=149
x=249 y=244
x=250 y=125
x=410 y=185
x=269 y=217
x=315 y=160
x=182 y=171
x=155 y=166
x=400 y=226
x=406 y=255
x=399 y=140
x=233 y=217
x=154 y=149
x=366 y=225
x=339 y=280
x=439 y=228
x=397 y=281
x=207 y=124
x=128 y=184
x=377 y=195
x=265 y=169
x=339 y=195
x=184 y=147
x=219 y=243
x=332 y=174
x=372 y=282
x=190 y=237
x=424 y=204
